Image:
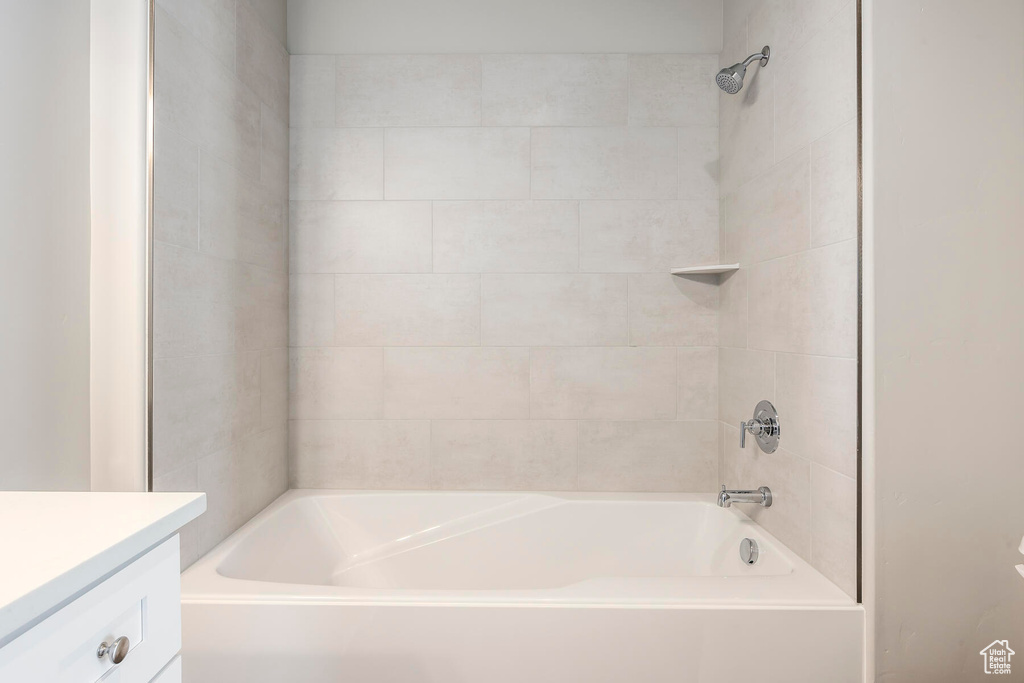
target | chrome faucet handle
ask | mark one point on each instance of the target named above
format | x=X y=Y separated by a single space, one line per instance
x=753 y=426
x=763 y=426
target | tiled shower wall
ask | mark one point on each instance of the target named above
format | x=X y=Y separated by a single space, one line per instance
x=479 y=272
x=789 y=316
x=220 y=401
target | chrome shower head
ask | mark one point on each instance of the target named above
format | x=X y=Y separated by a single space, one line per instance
x=730 y=79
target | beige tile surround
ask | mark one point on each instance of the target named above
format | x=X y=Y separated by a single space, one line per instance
x=483 y=286
x=788 y=318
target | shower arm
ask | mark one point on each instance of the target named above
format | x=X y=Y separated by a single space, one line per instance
x=763 y=55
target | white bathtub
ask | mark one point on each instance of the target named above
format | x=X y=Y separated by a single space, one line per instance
x=327 y=586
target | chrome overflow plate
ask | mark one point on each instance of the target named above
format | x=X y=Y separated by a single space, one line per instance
x=748 y=551
x=763 y=426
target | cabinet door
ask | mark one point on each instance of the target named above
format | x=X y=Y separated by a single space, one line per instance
x=171 y=672
x=142 y=602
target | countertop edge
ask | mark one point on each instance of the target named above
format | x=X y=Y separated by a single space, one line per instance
x=34 y=606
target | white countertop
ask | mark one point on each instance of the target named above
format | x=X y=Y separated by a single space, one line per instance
x=55 y=544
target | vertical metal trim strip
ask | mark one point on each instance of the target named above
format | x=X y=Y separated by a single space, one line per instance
x=151 y=57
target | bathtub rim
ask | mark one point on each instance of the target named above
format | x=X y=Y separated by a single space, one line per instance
x=804 y=588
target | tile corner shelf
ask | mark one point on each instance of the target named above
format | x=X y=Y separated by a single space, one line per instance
x=718 y=269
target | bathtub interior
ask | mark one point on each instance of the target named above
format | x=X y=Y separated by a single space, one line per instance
x=492 y=541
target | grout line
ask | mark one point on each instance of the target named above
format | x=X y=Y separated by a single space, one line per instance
x=334 y=91
x=431 y=482
x=530 y=193
x=579 y=235
x=810 y=513
x=775 y=122
x=810 y=196
x=384 y=164
x=657 y=420
x=470 y=126
x=775 y=377
x=199 y=199
x=334 y=308
x=629 y=110
x=578 y=455
x=629 y=333
x=529 y=383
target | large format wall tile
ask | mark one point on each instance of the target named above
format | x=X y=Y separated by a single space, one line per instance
x=212 y=22
x=647 y=236
x=311 y=310
x=553 y=310
x=506 y=237
x=311 y=82
x=528 y=455
x=337 y=163
x=526 y=207
x=648 y=456
x=261 y=61
x=789 y=478
x=407 y=310
x=555 y=90
x=176 y=190
x=745 y=377
x=622 y=383
x=239 y=482
x=206 y=404
x=834 y=186
x=274 y=153
x=198 y=97
x=769 y=217
x=698 y=163
x=604 y=163
x=746 y=128
x=673 y=90
x=457 y=163
x=665 y=310
x=818 y=396
x=359 y=454
x=199 y=305
x=834 y=526
x=788 y=318
x=816 y=90
x=787 y=26
x=407 y=90
x=336 y=383
x=274 y=388
x=806 y=303
x=221 y=290
x=732 y=310
x=697 y=376
x=360 y=237
x=239 y=219
x=466 y=383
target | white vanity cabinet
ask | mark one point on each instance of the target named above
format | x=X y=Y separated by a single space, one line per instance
x=113 y=615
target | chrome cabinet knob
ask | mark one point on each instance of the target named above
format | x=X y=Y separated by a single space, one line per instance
x=115 y=651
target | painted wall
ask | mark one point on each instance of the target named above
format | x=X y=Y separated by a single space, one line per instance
x=501 y=26
x=220 y=262
x=119 y=86
x=480 y=287
x=788 y=322
x=948 y=168
x=44 y=245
